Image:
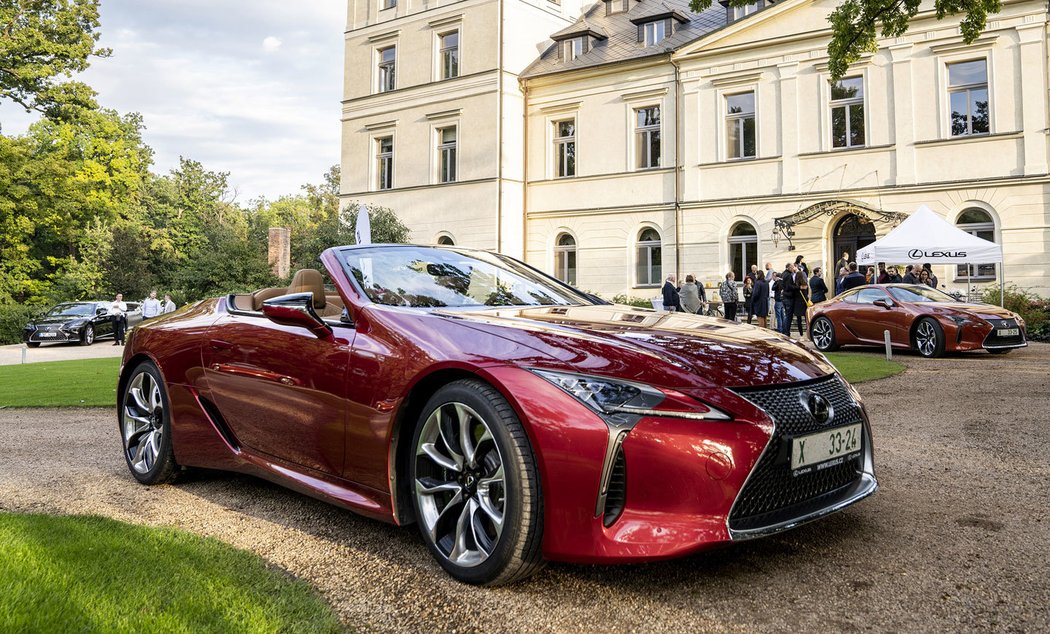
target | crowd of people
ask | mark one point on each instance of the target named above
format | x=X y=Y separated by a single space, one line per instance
x=151 y=307
x=776 y=299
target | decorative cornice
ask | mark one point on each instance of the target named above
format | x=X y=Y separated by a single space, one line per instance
x=445 y=20
x=383 y=37
x=444 y=114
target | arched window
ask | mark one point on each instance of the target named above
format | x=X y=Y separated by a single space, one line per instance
x=977 y=222
x=446 y=240
x=565 y=258
x=743 y=249
x=650 y=254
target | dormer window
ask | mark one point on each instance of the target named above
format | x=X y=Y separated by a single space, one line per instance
x=616 y=6
x=654 y=32
x=735 y=13
x=575 y=47
x=575 y=40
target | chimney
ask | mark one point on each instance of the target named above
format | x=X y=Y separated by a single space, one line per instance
x=280 y=251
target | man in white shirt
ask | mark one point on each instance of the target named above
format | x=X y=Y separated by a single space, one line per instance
x=168 y=306
x=151 y=306
x=117 y=312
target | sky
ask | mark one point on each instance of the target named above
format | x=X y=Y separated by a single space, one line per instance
x=252 y=88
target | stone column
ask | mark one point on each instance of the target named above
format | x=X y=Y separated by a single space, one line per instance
x=280 y=251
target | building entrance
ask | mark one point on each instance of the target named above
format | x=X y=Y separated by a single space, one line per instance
x=852 y=232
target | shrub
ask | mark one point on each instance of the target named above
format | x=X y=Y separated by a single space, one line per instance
x=12 y=318
x=1035 y=310
x=638 y=302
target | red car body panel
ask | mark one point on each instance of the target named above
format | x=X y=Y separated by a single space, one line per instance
x=865 y=324
x=327 y=417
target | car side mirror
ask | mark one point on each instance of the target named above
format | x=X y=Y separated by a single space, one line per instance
x=885 y=303
x=296 y=309
x=100 y=311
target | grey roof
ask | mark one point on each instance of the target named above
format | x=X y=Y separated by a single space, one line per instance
x=622 y=43
x=580 y=27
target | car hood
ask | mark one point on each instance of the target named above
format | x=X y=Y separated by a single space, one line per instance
x=984 y=311
x=46 y=321
x=668 y=349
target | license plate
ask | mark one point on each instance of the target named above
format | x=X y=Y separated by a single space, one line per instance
x=1008 y=332
x=48 y=334
x=824 y=446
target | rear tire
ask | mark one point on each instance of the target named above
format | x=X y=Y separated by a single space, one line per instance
x=928 y=338
x=145 y=426
x=822 y=333
x=475 y=486
x=88 y=336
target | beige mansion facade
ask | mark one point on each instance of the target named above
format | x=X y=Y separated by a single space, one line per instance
x=644 y=139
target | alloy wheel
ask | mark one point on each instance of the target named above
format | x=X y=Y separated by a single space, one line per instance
x=143 y=422
x=89 y=335
x=460 y=486
x=822 y=334
x=926 y=338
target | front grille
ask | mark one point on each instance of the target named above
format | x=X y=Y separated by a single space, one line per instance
x=617 y=493
x=995 y=341
x=772 y=493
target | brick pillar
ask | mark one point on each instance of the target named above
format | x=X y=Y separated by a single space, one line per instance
x=280 y=251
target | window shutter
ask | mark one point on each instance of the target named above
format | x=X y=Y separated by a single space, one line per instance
x=561 y=50
x=641 y=33
x=669 y=27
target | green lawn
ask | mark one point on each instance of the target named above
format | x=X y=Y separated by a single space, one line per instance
x=80 y=383
x=93 y=574
x=857 y=367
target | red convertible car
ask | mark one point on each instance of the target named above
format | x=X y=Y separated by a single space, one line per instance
x=513 y=418
x=918 y=317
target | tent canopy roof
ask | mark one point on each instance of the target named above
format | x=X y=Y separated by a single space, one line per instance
x=926 y=237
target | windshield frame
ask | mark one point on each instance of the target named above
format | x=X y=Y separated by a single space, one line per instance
x=51 y=314
x=947 y=299
x=505 y=262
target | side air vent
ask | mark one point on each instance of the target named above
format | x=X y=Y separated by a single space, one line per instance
x=617 y=495
x=219 y=422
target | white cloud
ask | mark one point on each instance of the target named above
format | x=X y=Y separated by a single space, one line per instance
x=271 y=44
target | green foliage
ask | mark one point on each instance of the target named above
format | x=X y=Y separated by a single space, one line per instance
x=12 y=318
x=78 y=383
x=637 y=302
x=387 y=228
x=856 y=25
x=94 y=574
x=43 y=43
x=1035 y=310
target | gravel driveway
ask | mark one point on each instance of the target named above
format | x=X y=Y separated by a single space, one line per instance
x=956 y=539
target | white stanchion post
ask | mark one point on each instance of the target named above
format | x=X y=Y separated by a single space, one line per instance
x=24 y=349
x=889 y=348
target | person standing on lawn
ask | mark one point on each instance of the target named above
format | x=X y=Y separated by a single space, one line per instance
x=118 y=314
x=168 y=306
x=151 y=306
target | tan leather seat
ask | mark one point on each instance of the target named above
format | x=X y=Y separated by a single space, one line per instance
x=311 y=281
x=263 y=294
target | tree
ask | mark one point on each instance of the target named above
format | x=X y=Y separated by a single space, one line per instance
x=43 y=43
x=857 y=24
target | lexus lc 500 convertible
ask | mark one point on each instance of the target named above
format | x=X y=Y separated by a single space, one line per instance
x=511 y=417
x=917 y=317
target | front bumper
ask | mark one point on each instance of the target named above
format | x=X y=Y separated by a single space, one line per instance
x=49 y=335
x=683 y=479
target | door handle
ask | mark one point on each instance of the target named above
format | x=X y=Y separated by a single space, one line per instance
x=219 y=344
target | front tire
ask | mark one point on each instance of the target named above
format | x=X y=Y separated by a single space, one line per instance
x=475 y=486
x=145 y=426
x=822 y=332
x=88 y=336
x=929 y=338
x=33 y=344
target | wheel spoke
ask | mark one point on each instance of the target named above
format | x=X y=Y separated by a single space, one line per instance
x=136 y=397
x=466 y=436
x=464 y=532
x=489 y=507
x=475 y=525
x=155 y=401
x=430 y=486
x=432 y=452
x=132 y=433
x=447 y=436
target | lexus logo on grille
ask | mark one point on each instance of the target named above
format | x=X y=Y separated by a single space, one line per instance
x=818 y=407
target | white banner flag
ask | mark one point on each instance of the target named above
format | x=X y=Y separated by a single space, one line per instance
x=363 y=230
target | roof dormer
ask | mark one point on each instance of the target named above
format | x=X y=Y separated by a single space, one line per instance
x=576 y=39
x=655 y=21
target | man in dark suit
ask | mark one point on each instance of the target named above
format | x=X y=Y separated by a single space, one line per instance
x=854 y=279
x=672 y=300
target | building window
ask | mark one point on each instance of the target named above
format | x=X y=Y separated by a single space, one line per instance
x=388 y=4
x=650 y=254
x=977 y=222
x=565 y=148
x=565 y=259
x=654 y=32
x=740 y=125
x=647 y=137
x=575 y=47
x=387 y=67
x=446 y=149
x=743 y=249
x=740 y=12
x=968 y=97
x=385 y=162
x=449 y=53
x=446 y=241
x=847 y=112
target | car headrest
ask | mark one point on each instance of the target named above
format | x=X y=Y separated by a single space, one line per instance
x=263 y=294
x=309 y=281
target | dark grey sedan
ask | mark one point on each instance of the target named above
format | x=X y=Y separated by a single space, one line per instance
x=80 y=322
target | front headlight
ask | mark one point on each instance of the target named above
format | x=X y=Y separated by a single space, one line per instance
x=623 y=403
x=959 y=319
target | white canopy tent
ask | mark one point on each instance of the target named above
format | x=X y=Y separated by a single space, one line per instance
x=926 y=237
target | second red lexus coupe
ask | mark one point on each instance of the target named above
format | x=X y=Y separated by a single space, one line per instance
x=511 y=417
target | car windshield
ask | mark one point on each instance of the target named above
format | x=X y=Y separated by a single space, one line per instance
x=424 y=277
x=72 y=310
x=920 y=294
